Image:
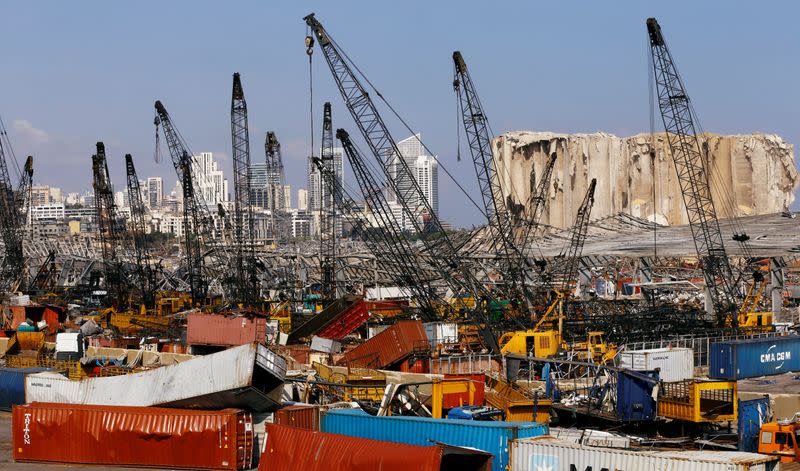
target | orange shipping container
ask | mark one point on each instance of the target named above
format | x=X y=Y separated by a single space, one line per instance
x=304 y=416
x=389 y=347
x=216 y=329
x=132 y=436
x=295 y=449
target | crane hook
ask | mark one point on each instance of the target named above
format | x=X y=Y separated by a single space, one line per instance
x=309 y=45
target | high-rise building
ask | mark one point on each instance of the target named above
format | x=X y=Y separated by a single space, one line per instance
x=262 y=183
x=44 y=194
x=315 y=198
x=209 y=179
x=155 y=192
x=423 y=168
x=302 y=199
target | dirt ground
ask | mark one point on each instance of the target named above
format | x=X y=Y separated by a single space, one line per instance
x=7 y=464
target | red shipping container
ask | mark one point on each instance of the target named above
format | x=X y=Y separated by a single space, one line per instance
x=388 y=347
x=216 y=329
x=416 y=365
x=461 y=399
x=304 y=416
x=290 y=449
x=132 y=436
x=346 y=322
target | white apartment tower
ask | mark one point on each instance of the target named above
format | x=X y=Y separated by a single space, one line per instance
x=423 y=168
x=209 y=179
x=154 y=192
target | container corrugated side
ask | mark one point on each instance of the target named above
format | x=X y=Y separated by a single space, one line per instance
x=12 y=385
x=674 y=364
x=214 y=329
x=295 y=449
x=222 y=379
x=739 y=359
x=491 y=437
x=137 y=436
x=388 y=347
x=299 y=415
x=551 y=453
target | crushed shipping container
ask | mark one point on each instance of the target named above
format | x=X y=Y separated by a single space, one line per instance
x=491 y=437
x=247 y=377
x=296 y=449
x=388 y=347
x=133 y=436
x=551 y=453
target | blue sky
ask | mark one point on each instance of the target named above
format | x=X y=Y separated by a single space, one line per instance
x=78 y=72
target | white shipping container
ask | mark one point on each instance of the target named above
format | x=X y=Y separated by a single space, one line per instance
x=441 y=332
x=236 y=377
x=533 y=454
x=676 y=364
x=591 y=437
x=319 y=344
x=374 y=330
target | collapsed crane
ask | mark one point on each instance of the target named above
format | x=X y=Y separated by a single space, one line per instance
x=443 y=255
x=392 y=245
x=276 y=182
x=108 y=227
x=196 y=217
x=535 y=206
x=327 y=233
x=137 y=227
x=501 y=229
x=12 y=205
x=244 y=279
x=687 y=154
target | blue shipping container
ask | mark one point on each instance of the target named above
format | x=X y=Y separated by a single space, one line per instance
x=491 y=437
x=752 y=415
x=12 y=385
x=739 y=359
x=635 y=395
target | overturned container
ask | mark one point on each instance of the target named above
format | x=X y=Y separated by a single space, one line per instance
x=389 y=347
x=248 y=377
x=490 y=437
x=133 y=436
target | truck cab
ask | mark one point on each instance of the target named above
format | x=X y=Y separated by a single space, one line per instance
x=781 y=439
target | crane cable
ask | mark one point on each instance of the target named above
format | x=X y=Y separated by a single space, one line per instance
x=309 y=42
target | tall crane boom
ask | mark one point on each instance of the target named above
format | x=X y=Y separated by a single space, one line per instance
x=394 y=247
x=443 y=255
x=276 y=181
x=137 y=227
x=11 y=205
x=196 y=217
x=501 y=229
x=244 y=284
x=536 y=204
x=107 y=224
x=676 y=114
x=327 y=233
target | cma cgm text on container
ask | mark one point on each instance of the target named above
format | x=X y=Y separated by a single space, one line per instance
x=739 y=359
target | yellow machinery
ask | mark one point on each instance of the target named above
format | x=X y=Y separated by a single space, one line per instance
x=698 y=401
x=594 y=350
x=449 y=386
x=361 y=384
x=781 y=439
x=517 y=406
x=543 y=343
x=747 y=316
x=283 y=314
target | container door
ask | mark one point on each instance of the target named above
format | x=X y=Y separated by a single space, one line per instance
x=752 y=415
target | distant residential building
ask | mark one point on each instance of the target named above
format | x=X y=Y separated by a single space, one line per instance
x=302 y=223
x=50 y=229
x=423 y=168
x=209 y=179
x=44 y=194
x=80 y=213
x=72 y=199
x=287 y=197
x=155 y=192
x=47 y=212
x=316 y=193
x=302 y=199
x=119 y=199
x=263 y=182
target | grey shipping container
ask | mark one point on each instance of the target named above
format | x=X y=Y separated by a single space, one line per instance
x=534 y=454
x=739 y=359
